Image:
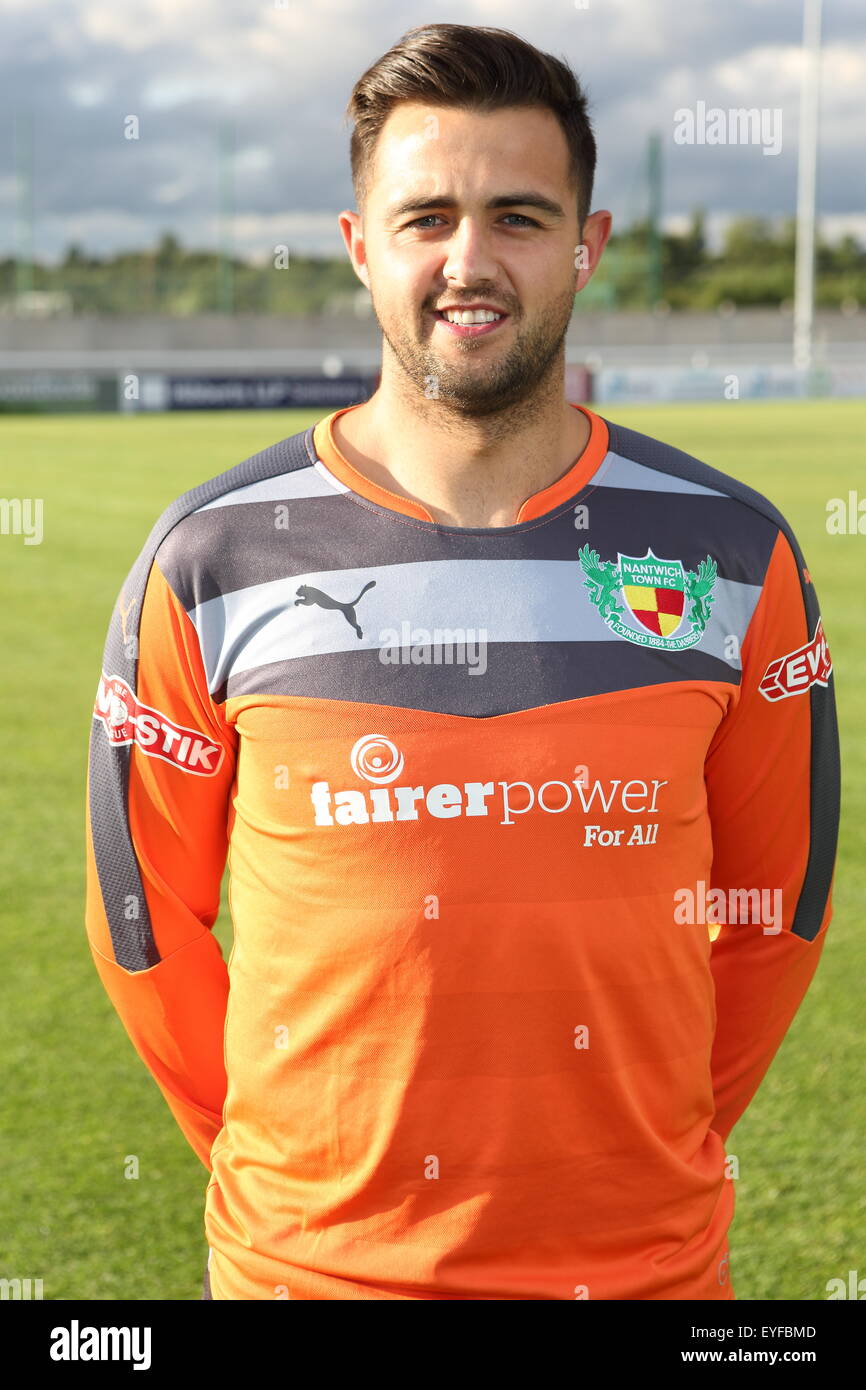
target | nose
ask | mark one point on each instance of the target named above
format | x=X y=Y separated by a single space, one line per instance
x=469 y=257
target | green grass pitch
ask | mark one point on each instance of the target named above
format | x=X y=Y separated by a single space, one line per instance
x=76 y=1099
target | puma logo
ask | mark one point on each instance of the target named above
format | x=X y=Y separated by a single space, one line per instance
x=308 y=595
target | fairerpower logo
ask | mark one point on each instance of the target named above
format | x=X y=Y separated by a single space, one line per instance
x=127 y=720
x=378 y=761
x=794 y=673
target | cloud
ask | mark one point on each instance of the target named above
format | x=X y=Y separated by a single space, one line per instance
x=269 y=82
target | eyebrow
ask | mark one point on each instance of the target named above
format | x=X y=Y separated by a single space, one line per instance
x=527 y=198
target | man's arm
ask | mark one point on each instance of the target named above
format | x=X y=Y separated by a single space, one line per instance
x=772 y=778
x=160 y=775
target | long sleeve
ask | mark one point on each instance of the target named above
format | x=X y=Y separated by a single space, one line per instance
x=159 y=783
x=772 y=779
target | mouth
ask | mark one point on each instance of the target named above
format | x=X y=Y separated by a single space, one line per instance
x=469 y=330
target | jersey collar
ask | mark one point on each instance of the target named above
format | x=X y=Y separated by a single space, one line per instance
x=577 y=476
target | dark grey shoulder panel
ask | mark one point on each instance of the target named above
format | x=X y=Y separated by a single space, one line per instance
x=825 y=774
x=664 y=458
x=116 y=862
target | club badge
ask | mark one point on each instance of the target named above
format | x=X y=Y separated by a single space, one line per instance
x=654 y=594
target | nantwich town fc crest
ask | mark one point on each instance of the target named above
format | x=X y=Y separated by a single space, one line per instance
x=655 y=593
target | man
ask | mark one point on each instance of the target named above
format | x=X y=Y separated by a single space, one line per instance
x=519 y=728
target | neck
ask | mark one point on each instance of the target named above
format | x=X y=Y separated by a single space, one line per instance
x=465 y=470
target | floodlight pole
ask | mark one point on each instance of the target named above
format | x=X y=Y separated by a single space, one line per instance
x=225 y=196
x=23 y=145
x=807 y=161
x=654 y=173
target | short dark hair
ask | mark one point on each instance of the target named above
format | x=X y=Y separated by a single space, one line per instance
x=479 y=69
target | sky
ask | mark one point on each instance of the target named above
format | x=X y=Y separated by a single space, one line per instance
x=275 y=76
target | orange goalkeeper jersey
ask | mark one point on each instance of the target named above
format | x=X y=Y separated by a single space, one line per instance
x=530 y=833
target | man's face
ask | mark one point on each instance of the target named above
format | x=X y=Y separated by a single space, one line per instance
x=457 y=250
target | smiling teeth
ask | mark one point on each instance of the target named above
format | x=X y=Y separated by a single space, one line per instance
x=471 y=316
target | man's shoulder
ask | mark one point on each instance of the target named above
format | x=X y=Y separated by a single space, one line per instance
x=243 y=482
x=205 y=518
x=643 y=462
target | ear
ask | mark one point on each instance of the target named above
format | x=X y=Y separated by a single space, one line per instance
x=596 y=230
x=352 y=228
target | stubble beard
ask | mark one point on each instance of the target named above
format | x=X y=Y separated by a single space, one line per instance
x=510 y=379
